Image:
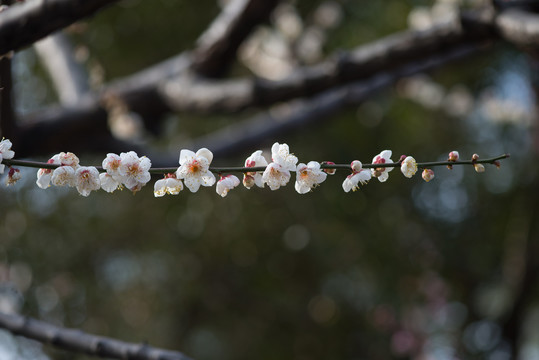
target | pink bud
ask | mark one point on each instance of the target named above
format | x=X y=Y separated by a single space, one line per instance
x=475 y=157
x=329 y=171
x=356 y=166
x=427 y=175
x=453 y=156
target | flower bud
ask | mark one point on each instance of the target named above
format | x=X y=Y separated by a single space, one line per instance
x=475 y=157
x=453 y=156
x=479 y=168
x=409 y=167
x=497 y=164
x=356 y=166
x=427 y=175
x=329 y=171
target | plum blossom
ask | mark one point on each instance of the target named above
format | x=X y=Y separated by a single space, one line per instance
x=329 y=171
x=358 y=176
x=276 y=176
x=382 y=173
x=44 y=176
x=309 y=176
x=134 y=171
x=280 y=154
x=427 y=175
x=13 y=176
x=194 y=169
x=277 y=173
x=5 y=153
x=63 y=175
x=254 y=178
x=225 y=184
x=409 y=167
x=168 y=185
x=87 y=180
x=68 y=159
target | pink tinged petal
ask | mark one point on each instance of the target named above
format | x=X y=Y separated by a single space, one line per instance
x=356 y=166
x=225 y=184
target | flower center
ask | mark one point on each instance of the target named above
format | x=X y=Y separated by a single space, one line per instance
x=194 y=167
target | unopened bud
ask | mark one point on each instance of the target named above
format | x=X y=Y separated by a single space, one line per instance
x=475 y=157
x=427 y=175
x=356 y=166
x=329 y=171
x=497 y=164
x=248 y=181
x=453 y=156
x=479 y=168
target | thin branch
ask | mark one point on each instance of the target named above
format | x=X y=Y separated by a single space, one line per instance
x=217 y=46
x=26 y=22
x=166 y=170
x=78 y=341
x=68 y=76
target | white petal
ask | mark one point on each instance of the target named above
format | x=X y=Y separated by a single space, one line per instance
x=205 y=153
x=186 y=156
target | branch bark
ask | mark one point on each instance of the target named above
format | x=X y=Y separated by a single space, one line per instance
x=25 y=23
x=78 y=341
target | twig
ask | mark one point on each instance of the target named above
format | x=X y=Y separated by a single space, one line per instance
x=78 y=341
x=26 y=22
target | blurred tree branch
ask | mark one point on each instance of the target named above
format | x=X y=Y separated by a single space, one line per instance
x=78 y=341
x=25 y=23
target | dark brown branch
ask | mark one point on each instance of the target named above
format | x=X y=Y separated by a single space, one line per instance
x=24 y=23
x=8 y=124
x=218 y=44
x=235 y=138
x=78 y=341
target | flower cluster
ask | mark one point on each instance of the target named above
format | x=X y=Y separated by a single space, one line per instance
x=130 y=171
x=126 y=169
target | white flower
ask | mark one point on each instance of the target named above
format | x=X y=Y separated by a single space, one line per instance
x=168 y=185
x=63 y=175
x=382 y=173
x=194 y=169
x=280 y=154
x=68 y=159
x=108 y=182
x=87 y=180
x=44 y=175
x=251 y=178
x=309 y=176
x=358 y=176
x=134 y=170
x=276 y=176
x=112 y=164
x=225 y=184
x=409 y=167
x=5 y=153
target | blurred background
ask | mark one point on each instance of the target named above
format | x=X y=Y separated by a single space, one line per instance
x=397 y=270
